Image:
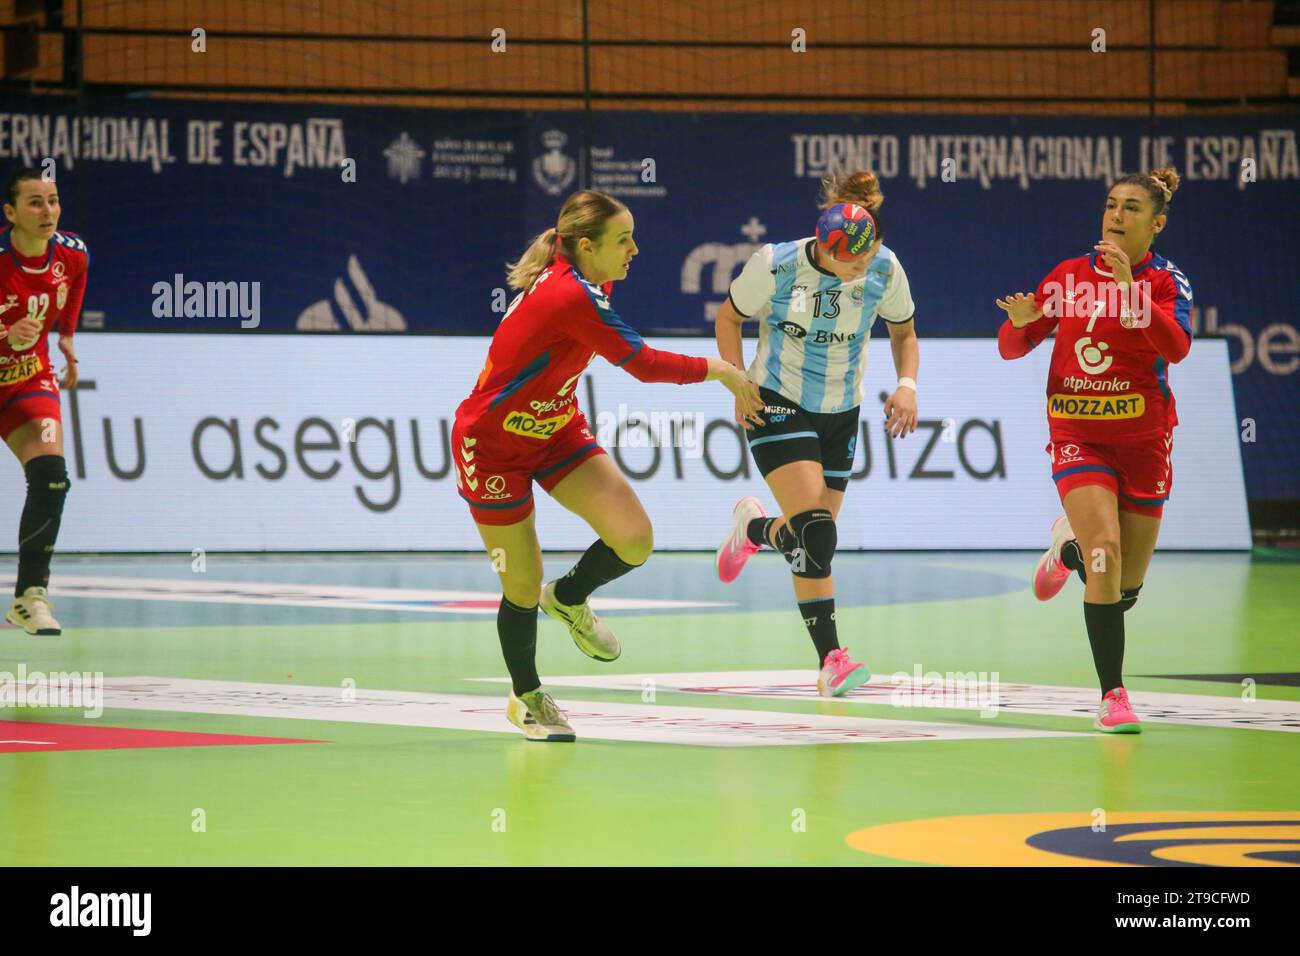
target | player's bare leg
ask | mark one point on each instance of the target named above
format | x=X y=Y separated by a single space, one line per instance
x=38 y=446
x=517 y=559
x=801 y=492
x=1137 y=538
x=597 y=492
x=1095 y=517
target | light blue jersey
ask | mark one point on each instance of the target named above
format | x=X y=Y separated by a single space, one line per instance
x=814 y=329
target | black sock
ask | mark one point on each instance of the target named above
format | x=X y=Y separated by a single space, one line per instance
x=517 y=631
x=1106 y=635
x=599 y=565
x=1072 y=558
x=38 y=528
x=819 y=618
x=756 y=530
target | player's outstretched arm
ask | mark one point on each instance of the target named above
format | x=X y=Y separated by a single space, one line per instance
x=748 y=400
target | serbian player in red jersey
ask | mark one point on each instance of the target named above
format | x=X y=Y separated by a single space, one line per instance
x=522 y=424
x=1122 y=317
x=42 y=281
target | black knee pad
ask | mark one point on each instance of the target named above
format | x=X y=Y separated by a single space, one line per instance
x=1072 y=555
x=1128 y=597
x=47 y=481
x=814 y=538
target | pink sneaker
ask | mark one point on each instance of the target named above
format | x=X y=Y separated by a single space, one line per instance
x=1050 y=575
x=1115 y=715
x=735 y=551
x=839 y=675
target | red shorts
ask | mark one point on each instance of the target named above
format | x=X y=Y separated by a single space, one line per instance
x=36 y=399
x=1139 y=475
x=499 y=484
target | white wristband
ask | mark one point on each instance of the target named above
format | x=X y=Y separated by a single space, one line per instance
x=905 y=382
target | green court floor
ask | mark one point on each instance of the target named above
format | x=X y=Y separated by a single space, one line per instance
x=346 y=710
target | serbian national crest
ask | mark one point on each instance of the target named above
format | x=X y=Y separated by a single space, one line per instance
x=62 y=297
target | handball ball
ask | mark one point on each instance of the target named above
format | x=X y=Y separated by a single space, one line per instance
x=845 y=231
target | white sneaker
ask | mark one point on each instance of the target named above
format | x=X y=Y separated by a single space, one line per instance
x=31 y=612
x=590 y=633
x=537 y=716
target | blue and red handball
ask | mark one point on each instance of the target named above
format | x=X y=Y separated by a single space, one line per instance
x=845 y=231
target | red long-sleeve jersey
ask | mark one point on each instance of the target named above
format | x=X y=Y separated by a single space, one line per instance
x=550 y=334
x=49 y=288
x=1109 y=375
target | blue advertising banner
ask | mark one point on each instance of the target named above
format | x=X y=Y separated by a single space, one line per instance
x=219 y=216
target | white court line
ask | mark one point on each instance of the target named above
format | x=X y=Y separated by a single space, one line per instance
x=647 y=723
x=414 y=600
x=1197 y=710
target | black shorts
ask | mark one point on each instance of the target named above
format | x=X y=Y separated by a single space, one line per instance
x=791 y=433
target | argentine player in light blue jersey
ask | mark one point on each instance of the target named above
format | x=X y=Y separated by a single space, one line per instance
x=815 y=302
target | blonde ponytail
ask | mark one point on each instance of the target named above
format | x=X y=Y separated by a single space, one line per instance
x=539 y=254
x=583 y=216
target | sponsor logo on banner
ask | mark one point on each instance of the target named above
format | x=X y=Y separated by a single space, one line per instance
x=363 y=314
x=1111 y=407
x=1276 y=346
x=403 y=156
x=722 y=259
x=335 y=450
x=554 y=170
x=522 y=423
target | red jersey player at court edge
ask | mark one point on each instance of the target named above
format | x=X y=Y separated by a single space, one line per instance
x=42 y=282
x=522 y=424
x=1122 y=316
